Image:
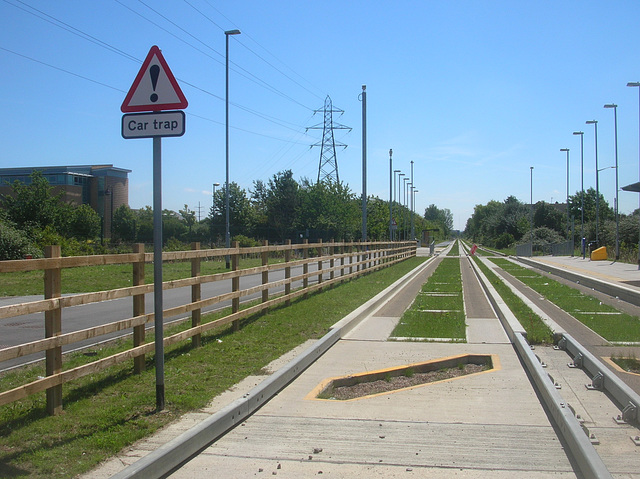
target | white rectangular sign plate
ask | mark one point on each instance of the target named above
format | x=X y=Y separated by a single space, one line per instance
x=150 y=125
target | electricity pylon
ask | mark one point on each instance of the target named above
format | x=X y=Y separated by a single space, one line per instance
x=328 y=167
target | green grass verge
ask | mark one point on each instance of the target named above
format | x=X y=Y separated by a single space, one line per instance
x=537 y=331
x=111 y=409
x=425 y=318
x=455 y=249
x=608 y=322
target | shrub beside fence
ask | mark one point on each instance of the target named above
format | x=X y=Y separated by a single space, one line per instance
x=354 y=259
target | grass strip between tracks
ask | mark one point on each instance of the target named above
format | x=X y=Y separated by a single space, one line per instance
x=109 y=410
x=438 y=311
x=537 y=331
x=608 y=322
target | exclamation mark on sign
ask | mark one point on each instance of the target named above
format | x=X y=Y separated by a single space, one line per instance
x=154 y=72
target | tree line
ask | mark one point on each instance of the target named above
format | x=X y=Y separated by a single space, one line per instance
x=504 y=224
x=277 y=210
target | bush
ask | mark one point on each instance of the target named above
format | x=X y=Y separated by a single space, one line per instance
x=246 y=242
x=504 y=241
x=15 y=244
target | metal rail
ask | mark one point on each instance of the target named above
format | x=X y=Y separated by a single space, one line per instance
x=587 y=458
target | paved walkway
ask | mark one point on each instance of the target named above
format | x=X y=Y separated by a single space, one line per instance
x=616 y=272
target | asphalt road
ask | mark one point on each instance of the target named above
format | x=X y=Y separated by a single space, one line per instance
x=27 y=328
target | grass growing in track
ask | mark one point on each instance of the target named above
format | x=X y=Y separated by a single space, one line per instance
x=608 y=322
x=537 y=331
x=438 y=310
x=111 y=409
x=455 y=249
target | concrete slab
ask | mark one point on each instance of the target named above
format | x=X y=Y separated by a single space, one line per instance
x=377 y=328
x=486 y=331
x=467 y=427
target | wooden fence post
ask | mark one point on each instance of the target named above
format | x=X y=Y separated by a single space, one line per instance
x=265 y=274
x=320 y=255
x=53 y=327
x=305 y=268
x=287 y=271
x=196 y=295
x=332 y=252
x=138 y=308
x=342 y=261
x=235 y=284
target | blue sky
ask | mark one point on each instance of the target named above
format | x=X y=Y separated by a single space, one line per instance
x=473 y=92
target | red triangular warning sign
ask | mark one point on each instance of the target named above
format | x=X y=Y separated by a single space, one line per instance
x=155 y=88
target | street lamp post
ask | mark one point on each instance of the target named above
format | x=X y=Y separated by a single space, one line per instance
x=582 y=240
x=404 y=203
x=615 y=130
x=213 y=211
x=391 y=177
x=413 y=212
x=568 y=220
x=400 y=175
x=595 y=124
x=637 y=84
x=227 y=235
x=395 y=201
x=531 y=210
x=412 y=223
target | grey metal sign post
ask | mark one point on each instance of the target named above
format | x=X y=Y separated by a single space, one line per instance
x=155 y=89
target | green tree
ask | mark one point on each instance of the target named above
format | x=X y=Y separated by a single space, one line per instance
x=283 y=202
x=548 y=216
x=84 y=223
x=239 y=211
x=35 y=205
x=329 y=209
x=124 y=224
x=189 y=218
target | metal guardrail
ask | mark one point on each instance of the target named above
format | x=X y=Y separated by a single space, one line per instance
x=602 y=378
x=587 y=458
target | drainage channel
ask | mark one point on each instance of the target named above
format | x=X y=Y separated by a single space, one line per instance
x=595 y=412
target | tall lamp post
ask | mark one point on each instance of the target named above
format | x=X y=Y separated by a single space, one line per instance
x=404 y=203
x=395 y=201
x=227 y=235
x=595 y=125
x=213 y=211
x=399 y=205
x=582 y=240
x=391 y=179
x=531 y=210
x=615 y=130
x=413 y=212
x=637 y=84
x=568 y=221
x=412 y=224
x=364 y=163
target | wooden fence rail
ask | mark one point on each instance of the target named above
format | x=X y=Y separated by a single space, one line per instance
x=346 y=260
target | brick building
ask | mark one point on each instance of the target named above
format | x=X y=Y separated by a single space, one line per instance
x=103 y=187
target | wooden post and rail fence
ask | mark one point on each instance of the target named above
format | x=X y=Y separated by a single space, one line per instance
x=354 y=258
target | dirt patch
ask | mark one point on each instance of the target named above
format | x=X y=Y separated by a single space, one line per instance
x=393 y=383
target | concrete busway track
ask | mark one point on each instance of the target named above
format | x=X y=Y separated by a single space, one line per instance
x=156 y=456
x=599 y=410
x=491 y=425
